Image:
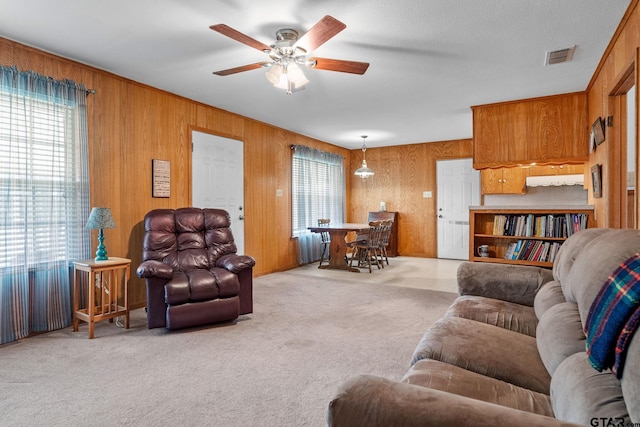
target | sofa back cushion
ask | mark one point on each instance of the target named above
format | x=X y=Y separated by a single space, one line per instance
x=581 y=394
x=584 y=265
x=631 y=379
x=570 y=250
x=559 y=335
x=548 y=296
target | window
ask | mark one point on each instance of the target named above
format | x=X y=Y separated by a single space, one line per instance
x=39 y=180
x=44 y=199
x=318 y=187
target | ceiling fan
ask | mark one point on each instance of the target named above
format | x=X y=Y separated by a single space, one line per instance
x=289 y=51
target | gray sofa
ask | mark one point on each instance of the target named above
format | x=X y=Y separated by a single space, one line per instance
x=510 y=351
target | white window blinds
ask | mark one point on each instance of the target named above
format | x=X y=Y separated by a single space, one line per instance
x=318 y=187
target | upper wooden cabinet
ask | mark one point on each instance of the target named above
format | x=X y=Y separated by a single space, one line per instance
x=549 y=130
x=503 y=181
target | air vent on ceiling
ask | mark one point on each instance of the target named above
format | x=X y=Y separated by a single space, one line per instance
x=558 y=56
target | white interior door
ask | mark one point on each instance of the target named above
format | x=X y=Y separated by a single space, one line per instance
x=218 y=178
x=458 y=188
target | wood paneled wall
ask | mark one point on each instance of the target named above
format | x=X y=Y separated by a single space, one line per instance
x=130 y=124
x=402 y=174
x=621 y=55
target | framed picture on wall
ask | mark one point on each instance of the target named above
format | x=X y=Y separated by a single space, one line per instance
x=161 y=178
x=598 y=130
x=596 y=180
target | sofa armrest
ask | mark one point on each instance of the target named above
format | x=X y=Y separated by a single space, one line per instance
x=513 y=283
x=370 y=401
x=235 y=263
x=153 y=268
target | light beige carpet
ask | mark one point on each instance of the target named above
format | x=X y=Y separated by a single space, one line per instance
x=279 y=366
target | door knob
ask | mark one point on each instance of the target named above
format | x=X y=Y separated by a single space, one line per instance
x=440 y=216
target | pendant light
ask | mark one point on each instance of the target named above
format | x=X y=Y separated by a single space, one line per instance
x=364 y=172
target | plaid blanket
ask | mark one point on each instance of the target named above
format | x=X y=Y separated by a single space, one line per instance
x=613 y=317
x=623 y=342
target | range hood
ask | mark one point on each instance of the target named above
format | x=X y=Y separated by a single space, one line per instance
x=555 y=180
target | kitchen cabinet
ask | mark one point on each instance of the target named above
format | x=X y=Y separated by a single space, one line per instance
x=543 y=130
x=503 y=181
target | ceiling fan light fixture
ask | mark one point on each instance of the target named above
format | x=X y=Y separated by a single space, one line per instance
x=364 y=171
x=289 y=77
x=296 y=76
x=274 y=74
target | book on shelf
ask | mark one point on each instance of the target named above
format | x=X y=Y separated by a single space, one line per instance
x=532 y=250
x=511 y=247
x=539 y=225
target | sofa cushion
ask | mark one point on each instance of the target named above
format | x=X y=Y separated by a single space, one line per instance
x=202 y=285
x=176 y=291
x=548 y=296
x=514 y=283
x=486 y=349
x=453 y=379
x=560 y=335
x=570 y=250
x=508 y=315
x=228 y=283
x=580 y=394
x=631 y=378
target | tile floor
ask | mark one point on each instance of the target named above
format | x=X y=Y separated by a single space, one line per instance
x=424 y=273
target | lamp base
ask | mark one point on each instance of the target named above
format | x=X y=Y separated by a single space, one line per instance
x=101 y=253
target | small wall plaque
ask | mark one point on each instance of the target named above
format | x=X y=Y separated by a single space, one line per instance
x=596 y=180
x=161 y=178
x=598 y=130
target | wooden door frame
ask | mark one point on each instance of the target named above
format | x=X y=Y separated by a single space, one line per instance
x=617 y=152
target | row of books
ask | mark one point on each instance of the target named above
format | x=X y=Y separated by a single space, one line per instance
x=532 y=250
x=532 y=225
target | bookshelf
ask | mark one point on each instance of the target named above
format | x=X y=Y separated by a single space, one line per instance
x=524 y=235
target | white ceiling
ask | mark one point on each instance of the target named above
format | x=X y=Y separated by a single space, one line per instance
x=430 y=59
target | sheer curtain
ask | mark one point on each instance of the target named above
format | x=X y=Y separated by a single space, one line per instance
x=44 y=200
x=318 y=186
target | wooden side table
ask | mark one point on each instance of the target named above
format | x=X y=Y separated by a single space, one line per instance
x=103 y=289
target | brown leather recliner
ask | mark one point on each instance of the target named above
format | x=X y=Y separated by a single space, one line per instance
x=193 y=274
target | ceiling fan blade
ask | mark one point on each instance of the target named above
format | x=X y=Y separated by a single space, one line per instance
x=352 y=67
x=241 y=69
x=238 y=36
x=322 y=31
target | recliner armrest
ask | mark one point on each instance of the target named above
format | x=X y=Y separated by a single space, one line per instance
x=235 y=263
x=513 y=283
x=153 y=268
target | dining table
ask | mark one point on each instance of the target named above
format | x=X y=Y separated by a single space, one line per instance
x=338 y=245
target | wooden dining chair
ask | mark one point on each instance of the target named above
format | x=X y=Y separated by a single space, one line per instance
x=352 y=251
x=325 y=240
x=384 y=240
x=367 y=251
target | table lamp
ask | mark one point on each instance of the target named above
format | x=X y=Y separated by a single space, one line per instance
x=100 y=218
